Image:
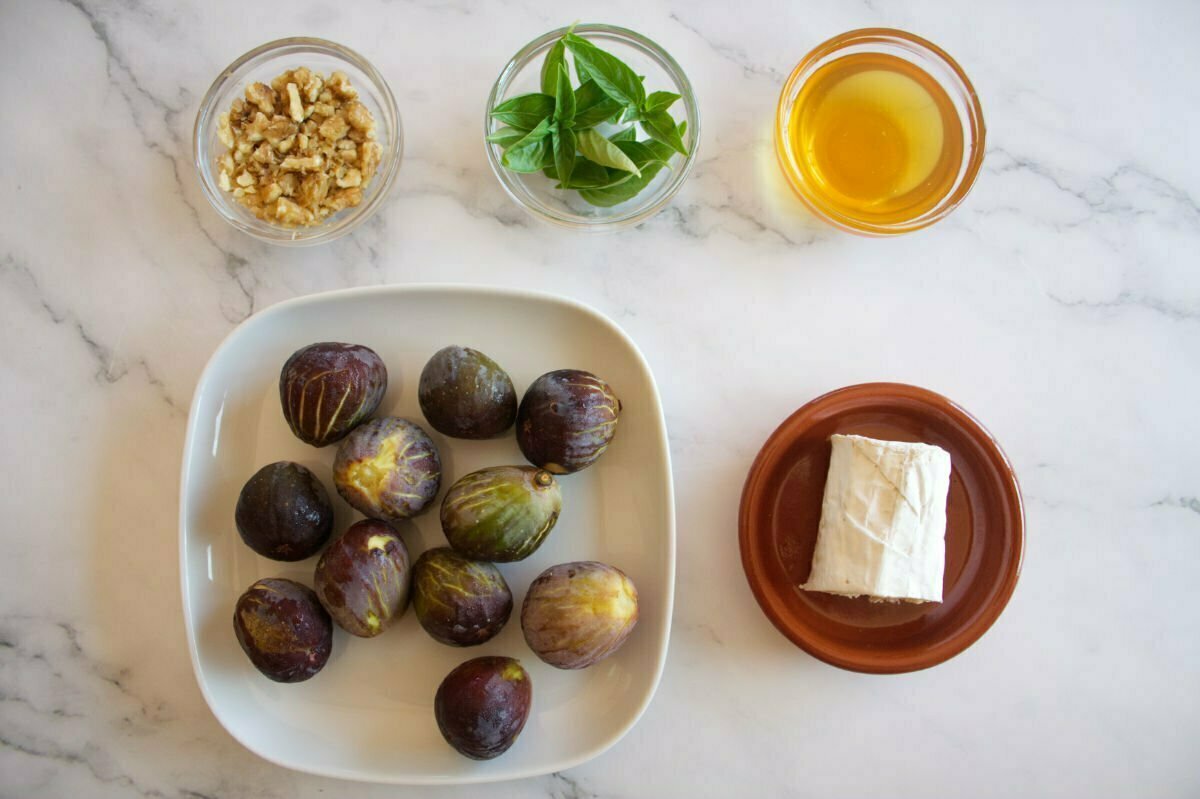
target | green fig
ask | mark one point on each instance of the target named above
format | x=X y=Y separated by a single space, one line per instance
x=502 y=513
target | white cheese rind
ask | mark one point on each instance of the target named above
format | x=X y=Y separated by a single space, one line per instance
x=883 y=521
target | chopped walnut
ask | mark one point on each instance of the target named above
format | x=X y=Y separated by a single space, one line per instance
x=359 y=117
x=225 y=131
x=261 y=95
x=291 y=214
x=339 y=84
x=372 y=153
x=302 y=163
x=300 y=149
x=345 y=198
x=350 y=179
x=295 y=107
x=334 y=128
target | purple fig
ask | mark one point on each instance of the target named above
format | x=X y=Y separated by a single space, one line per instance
x=567 y=420
x=465 y=394
x=576 y=614
x=283 y=512
x=459 y=601
x=363 y=578
x=481 y=707
x=283 y=629
x=328 y=389
x=388 y=469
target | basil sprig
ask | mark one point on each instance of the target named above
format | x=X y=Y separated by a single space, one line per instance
x=567 y=133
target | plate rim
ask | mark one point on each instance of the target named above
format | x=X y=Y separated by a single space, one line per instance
x=754 y=476
x=189 y=443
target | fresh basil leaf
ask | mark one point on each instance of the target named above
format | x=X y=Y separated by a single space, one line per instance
x=524 y=111
x=661 y=127
x=507 y=136
x=532 y=152
x=650 y=156
x=528 y=157
x=588 y=94
x=622 y=191
x=564 y=153
x=586 y=175
x=611 y=74
x=613 y=180
x=645 y=153
x=564 y=99
x=604 y=179
x=662 y=152
x=554 y=59
x=599 y=149
x=593 y=106
x=629 y=134
x=659 y=101
x=582 y=71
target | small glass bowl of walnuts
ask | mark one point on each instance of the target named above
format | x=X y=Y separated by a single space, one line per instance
x=298 y=141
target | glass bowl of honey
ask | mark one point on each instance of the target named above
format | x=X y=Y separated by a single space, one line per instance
x=879 y=132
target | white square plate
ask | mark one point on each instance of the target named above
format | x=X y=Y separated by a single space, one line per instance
x=369 y=714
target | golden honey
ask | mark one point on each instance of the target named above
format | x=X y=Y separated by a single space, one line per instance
x=875 y=138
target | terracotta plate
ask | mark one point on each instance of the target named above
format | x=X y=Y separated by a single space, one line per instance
x=781 y=508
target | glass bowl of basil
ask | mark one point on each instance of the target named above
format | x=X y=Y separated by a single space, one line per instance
x=592 y=127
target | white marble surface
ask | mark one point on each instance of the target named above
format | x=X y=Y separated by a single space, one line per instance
x=1061 y=304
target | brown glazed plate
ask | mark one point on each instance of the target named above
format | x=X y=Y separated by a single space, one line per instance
x=781 y=509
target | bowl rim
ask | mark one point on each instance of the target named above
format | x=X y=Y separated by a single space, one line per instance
x=976 y=132
x=748 y=533
x=638 y=213
x=300 y=236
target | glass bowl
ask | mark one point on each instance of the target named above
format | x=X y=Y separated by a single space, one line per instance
x=262 y=64
x=534 y=191
x=940 y=67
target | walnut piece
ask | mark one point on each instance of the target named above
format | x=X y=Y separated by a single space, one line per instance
x=300 y=149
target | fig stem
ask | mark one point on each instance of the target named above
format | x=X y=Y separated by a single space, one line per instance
x=543 y=478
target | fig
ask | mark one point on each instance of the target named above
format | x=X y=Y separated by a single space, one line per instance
x=328 y=389
x=465 y=394
x=387 y=469
x=482 y=705
x=283 y=629
x=283 y=512
x=363 y=578
x=459 y=601
x=576 y=614
x=502 y=513
x=566 y=420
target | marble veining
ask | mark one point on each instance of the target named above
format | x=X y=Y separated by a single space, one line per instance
x=1058 y=304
